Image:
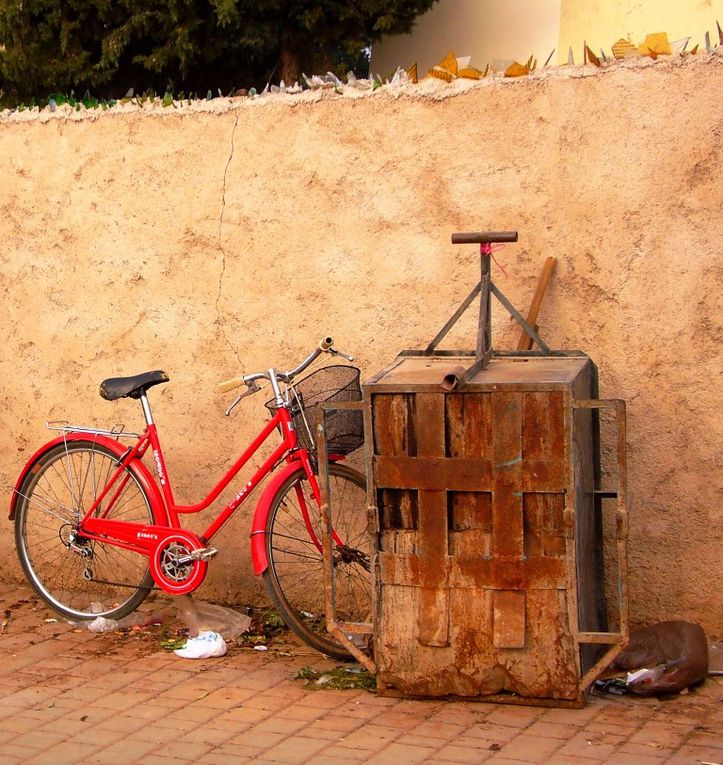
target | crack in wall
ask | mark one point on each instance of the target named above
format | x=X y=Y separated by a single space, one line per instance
x=219 y=245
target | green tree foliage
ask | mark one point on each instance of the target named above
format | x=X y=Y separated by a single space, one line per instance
x=109 y=46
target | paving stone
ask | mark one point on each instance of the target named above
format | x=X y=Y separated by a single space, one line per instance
x=66 y=753
x=345 y=754
x=463 y=754
x=399 y=754
x=294 y=750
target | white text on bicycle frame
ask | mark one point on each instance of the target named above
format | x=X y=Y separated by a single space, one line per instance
x=243 y=492
x=159 y=467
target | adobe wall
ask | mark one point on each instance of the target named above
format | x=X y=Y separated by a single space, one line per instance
x=219 y=239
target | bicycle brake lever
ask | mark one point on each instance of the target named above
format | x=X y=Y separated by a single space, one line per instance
x=251 y=387
x=334 y=352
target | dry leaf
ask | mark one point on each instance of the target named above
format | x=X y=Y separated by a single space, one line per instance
x=412 y=72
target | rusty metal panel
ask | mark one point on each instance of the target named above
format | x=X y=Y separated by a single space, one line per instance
x=477 y=492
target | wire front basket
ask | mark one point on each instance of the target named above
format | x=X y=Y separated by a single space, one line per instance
x=344 y=428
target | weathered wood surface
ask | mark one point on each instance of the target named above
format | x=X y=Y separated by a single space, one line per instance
x=475 y=545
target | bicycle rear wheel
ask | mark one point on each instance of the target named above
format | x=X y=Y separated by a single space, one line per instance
x=295 y=576
x=78 y=577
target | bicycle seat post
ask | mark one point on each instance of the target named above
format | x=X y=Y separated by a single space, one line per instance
x=146 y=409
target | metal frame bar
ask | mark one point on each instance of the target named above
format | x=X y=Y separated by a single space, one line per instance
x=340 y=630
x=617 y=640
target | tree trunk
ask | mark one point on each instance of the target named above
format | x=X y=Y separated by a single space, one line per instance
x=290 y=63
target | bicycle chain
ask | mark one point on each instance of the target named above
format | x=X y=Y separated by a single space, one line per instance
x=91 y=578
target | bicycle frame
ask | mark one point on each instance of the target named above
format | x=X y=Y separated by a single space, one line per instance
x=150 y=440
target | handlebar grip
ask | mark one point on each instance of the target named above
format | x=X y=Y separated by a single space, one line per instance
x=484 y=237
x=326 y=343
x=232 y=384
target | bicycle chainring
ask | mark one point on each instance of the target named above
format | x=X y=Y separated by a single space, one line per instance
x=170 y=565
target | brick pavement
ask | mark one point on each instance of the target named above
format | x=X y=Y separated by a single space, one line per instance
x=70 y=696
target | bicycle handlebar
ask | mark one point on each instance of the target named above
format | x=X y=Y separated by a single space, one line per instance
x=484 y=237
x=326 y=345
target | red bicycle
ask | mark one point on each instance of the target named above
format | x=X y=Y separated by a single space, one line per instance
x=94 y=530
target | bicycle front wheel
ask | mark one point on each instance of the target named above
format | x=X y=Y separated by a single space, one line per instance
x=295 y=576
x=78 y=577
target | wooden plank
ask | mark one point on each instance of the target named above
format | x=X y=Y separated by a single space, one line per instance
x=543 y=427
x=544 y=524
x=398 y=509
x=474 y=572
x=468 y=423
x=507 y=530
x=432 y=535
x=470 y=510
x=392 y=417
x=547 y=667
x=433 y=606
x=508 y=619
x=433 y=616
x=433 y=472
x=525 y=342
x=429 y=425
x=533 y=522
x=470 y=543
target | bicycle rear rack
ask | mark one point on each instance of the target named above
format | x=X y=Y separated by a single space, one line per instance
x=117 y=431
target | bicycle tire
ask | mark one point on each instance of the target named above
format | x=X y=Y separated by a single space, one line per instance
x=295 y=575
x=88 y=579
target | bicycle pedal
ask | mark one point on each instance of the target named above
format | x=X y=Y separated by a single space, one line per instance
x=204 y=553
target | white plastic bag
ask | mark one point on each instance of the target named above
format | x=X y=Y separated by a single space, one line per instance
x=101 y=624
x=199 y=617
x=205 y=645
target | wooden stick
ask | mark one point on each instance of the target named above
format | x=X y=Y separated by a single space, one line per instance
x=525 y=342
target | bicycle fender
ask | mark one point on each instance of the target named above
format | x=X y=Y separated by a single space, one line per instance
x=258 y=525
x=140 y=470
